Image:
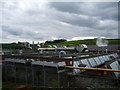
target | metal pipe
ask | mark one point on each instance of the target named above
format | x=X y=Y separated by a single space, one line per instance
x=99 y=69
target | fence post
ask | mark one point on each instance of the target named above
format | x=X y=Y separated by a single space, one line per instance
x=44 y=75
x=25 y=72
x=32 y=67
x=15 y=71
x=58 y=76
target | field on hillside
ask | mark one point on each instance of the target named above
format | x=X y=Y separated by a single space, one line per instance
x=66 y=43
x=86 y=41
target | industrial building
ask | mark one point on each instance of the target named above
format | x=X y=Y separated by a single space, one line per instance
x=63 y=67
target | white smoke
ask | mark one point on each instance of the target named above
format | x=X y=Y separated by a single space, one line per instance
x=101 y=42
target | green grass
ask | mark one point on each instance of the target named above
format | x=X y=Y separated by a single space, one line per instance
x=106 y=87
x=54 y=83
x=54 y=87
x=11 y=46
x=9 y=86
x=66 y=43
x=86 y=41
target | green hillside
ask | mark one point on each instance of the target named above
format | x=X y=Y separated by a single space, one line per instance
x=11 y=46
x=86 y=41
x=59 y=43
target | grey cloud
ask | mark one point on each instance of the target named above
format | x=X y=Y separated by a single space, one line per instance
x=71 y=7
x=11 y=30
x=36 y=21
x=93 y=11
x=81 y=21
x=33 y=35
x=104 y=10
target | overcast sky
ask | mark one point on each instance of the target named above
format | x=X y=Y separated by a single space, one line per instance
x=40 y=21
